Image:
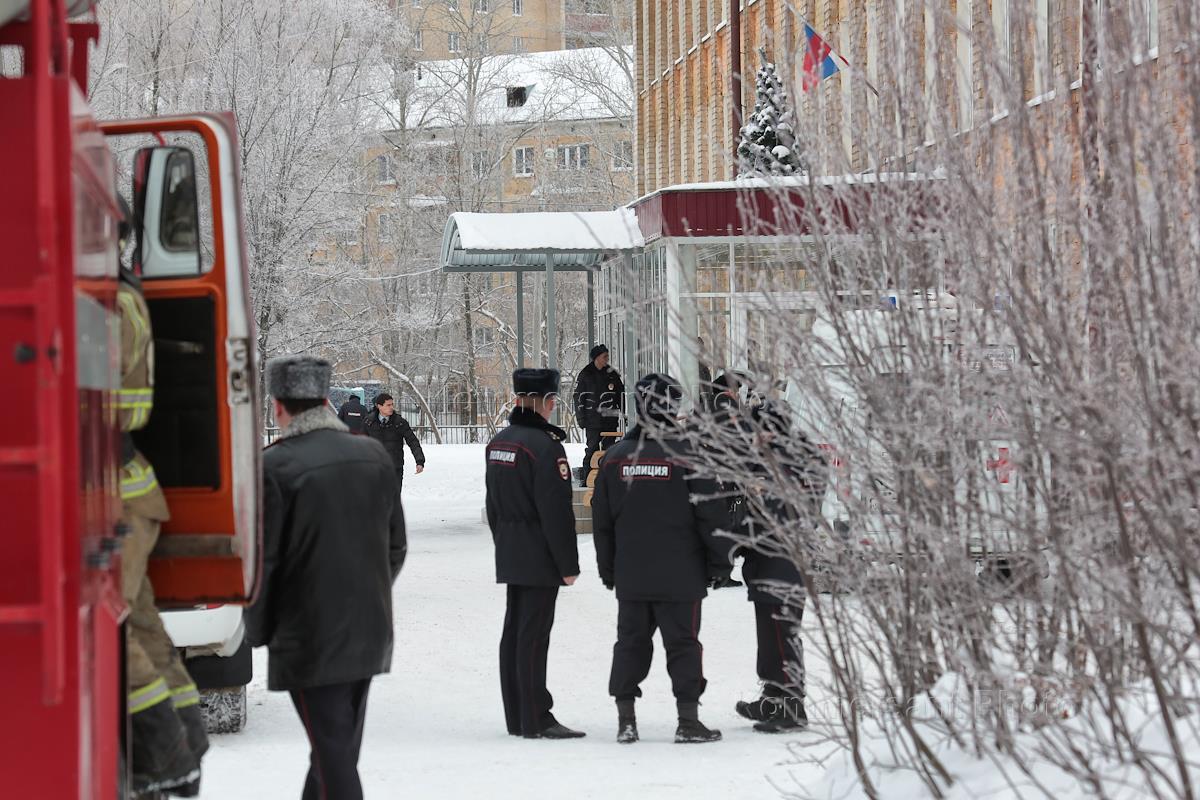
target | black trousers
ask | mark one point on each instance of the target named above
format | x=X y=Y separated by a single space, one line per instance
x=596 y=441
x=780 y=651
x=524 y=646
x=400 y=478
x=634 y=650
x=333 y=718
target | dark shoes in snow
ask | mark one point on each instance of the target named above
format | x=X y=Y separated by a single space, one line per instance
x=627 y=732
x=556 y=731
x=693 y=731
x=775 y=714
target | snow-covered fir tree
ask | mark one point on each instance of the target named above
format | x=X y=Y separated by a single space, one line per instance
x=768 y=141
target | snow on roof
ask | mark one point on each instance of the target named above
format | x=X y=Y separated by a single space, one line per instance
x=581 y=84
x=796 y=181
x=542 y=230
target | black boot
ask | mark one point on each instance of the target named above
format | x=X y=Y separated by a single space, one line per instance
x=691 y=730
x=197 y=734
x=783 y=715
x=556 y=730
x=754 y=710
x=627 y=732
x=161 y=757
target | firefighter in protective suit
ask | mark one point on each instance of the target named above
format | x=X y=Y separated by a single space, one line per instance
x=168 y=737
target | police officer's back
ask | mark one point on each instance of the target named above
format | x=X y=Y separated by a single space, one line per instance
x=655 y=527
x=533 y=526
x=353 y=413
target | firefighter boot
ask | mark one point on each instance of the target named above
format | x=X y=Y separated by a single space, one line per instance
x=691 y=730
x=162 y=759
x=197 y=739
x=627 y=732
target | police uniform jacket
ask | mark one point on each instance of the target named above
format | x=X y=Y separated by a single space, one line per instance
x=772 y=516
x=529 y=503
x=598 y=394
x=655 y=539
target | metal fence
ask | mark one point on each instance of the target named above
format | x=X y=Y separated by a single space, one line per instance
x=451 y=434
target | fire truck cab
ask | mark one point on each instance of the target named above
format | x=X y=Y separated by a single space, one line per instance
x=61 y=611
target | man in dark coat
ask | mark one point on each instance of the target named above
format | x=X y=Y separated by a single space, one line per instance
x=353 y=414
x=333 y=544
x=392 y=431
x=598 y=399
x=655 y=534
x=773 y=525
x=533 y=526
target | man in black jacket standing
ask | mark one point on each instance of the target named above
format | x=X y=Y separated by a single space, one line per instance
x=655 y=533
x=333 y=544
x=533 y=526
x=773 y=525
x=598 y=399
x=392 y=431
x=353 y=414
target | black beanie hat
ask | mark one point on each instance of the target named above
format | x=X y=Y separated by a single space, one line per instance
x=535 y=382
x=597 y=351
x=658 y=397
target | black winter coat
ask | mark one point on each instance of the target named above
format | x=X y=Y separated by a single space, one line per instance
x=333 y=544
x=529 y=503
x=797 y=515
x=393 y=434
x=653 y=540
x=598 y=393
x=353 y=413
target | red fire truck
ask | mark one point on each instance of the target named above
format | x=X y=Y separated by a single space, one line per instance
x=61 y=611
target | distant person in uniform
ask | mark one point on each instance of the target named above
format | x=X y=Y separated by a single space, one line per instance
x=598 y=400
x=655 y=529
x=773 y=582
x=392 y=431
x=533 y=526
x=353 y=413
x=333 y=543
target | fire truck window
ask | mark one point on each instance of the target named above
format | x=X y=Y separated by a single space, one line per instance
x=178 y=222
x=181 y=439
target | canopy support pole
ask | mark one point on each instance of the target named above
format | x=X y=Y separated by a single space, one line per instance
x=591 y=309
x=551 y=333
x=520 y=319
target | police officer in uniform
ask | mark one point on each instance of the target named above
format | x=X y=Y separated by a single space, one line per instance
x=533 y=526
x=773 y=582
x=353 y=414
x=658 y=548
x=598 y=399
x=163 y=702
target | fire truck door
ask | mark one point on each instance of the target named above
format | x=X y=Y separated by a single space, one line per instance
x=204 y=434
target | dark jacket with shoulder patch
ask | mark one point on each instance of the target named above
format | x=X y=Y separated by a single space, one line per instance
x=529 y=503
x=333 y=543
x=655 y=538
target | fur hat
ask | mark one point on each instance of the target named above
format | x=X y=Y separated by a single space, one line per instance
x=597 y=351
x=298 y=377
x=535 y=382
x=658 y=397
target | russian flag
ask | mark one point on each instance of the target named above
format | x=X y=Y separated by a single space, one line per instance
x=819 y=61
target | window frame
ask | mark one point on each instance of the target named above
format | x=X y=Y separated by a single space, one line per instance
x=524 y=160
x=518 y=8
x=622 y=165
x=572 y=157
x=453 y=42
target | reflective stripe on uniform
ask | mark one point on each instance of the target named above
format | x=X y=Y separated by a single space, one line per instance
x=133 y=312
x=138 y=402
x=185 y=696
x=148 y=696
x=137 y=480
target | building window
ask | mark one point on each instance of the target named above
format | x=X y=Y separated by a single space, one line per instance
x=479 y=165
x=418 y=39
x=416 y=3
x=452 y=4
x=481 y=6
x=453 y=43
x=383 y=169
x=515 y=96
x=483 y=337
x=518 y=7
x=573 y=156
x=595 y=7
x=518 y=45
x=623 y=156
x=523 y=161
x=383 y=227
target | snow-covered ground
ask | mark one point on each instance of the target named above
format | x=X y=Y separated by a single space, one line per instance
x=435 y=727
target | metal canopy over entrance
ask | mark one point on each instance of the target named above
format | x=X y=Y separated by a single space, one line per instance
x=540 y=242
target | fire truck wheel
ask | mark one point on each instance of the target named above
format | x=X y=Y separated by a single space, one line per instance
x=224 y=709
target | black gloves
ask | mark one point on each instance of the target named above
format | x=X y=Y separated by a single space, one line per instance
x=608 y=585
x=724 y=581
